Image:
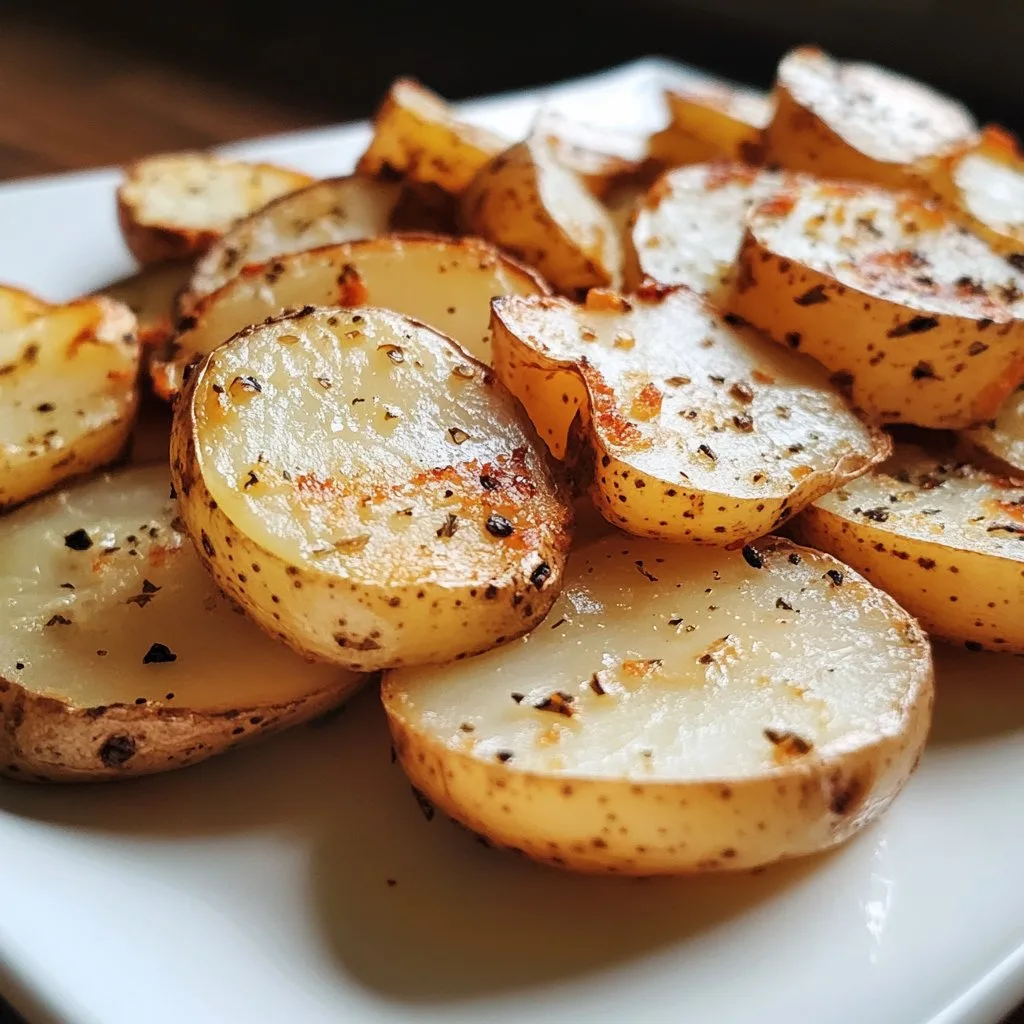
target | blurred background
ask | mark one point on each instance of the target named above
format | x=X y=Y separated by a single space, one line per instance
x=86 y=84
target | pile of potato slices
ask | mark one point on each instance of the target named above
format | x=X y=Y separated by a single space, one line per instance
x=337 y=433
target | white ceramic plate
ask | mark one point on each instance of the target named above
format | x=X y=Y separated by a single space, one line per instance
x=255 y=888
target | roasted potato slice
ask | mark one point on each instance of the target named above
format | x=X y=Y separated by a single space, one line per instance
x=712 y=122
x=860 y=121
x=688 y=228
x=1003 y=438
x=175 y=205
x=986 y=183
x=18 y=307
x=417 y=136
x=685 y=711
x=151 y=295
x=917 y=318
x=68 y=393
x=692 y=429
x=369 y=493
x=119 y=657
x=945 y=539
x=528 y=203
x=325 y=213
x=444 y=282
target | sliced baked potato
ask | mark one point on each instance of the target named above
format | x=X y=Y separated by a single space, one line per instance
x=1003 y=438
x=688 y=228
x=684 y=426
x=860 y=121
x=712 y=122
x=528 y=203
x=680 y=711
x=119 y=657
x=447 y=283
x=18 y=307
x=417 y=137
x=945 y=539
x=986 y=183
x=327 y=212
x=151 y=295
x=918 y=319
x=366 y=491
x=68 y=393
x=174 y=205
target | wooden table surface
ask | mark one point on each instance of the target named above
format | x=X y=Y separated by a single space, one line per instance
x=69 y=102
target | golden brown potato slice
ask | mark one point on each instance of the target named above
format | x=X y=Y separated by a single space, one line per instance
x=986 y=183
x=67 y=394
x=859 y=121
x=369 y=493
x=444 y=282
x=712 y=122
x=531 y=205
x=1003 y=438
x=688 y=228
x=18 y=307
x=945 y=539
x=151 y=295
x=119 y=657
x=684 y=711
x=325 y=213
x=417 y=136
x=918 y=319
x=692 y=429
x=175 y=205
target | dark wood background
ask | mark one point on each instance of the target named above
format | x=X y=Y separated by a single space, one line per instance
x=100 y=83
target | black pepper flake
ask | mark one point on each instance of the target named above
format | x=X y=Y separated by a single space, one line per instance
x=45 y=407
x=596 y=686
x=560 y=622
x=743 y=422
x=790 y=740
x=449 y=526
x=1016 y=260
x=741 y=392
x=540 y=575
x=488 y=483
x=915 y=325
x=812 y=297
x=250 y=481
x=78 y=540
x=794 y=559
x=67 y=586
x=559 y=703
x=517 y=697
x=876 y=515
x=923 y=371
x=19 y=665
x=752 y=557
x=1006 y=528
x=504 y=756
x=158 y=654
x=149 y=588
x=58 y=620
x=707 y=452
x=246 y=383
x=677 y=621
x=458 y=435
x=499 y=526
x=835 y=576
x=644 y=571
x=783 y=605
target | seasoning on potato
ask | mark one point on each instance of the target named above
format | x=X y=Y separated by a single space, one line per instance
x=686 y=426
x=1003 y=438
x=368 y=492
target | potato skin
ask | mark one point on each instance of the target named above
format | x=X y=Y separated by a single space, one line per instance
x=151 y=243
x=43 y=739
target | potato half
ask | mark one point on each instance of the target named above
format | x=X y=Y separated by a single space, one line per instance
x=919 y=321
x=68 y=394
x=119 y=656
x=712 y=122
x=1003 y=438
x=688 y=228
x=680 y=711
x=18 y=307
x=417 y=136
x=444 y=282
x=986 y=183
x=325 y=213
x=945 y=539
x=688 y=428
x=369 y=493
x=175 y=205
x=859 y=121
x=151 y=295
x=526 y=201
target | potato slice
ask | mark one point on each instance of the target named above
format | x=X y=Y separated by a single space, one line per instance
x=366 y=491
x=175 y=205
x=528 y=203
x=18 y=307
x=691 y=429
x=918 y=319
x=1003 y=438
x=328 y=212
x=444 y=282
x=683 y=711
x=119 y=657
x=67 y=394
x=417 y=136
x=689 y=226
x=151 y=295
x=986 y=183
x=945 y=539
x=712 y=122
x=860 y=121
